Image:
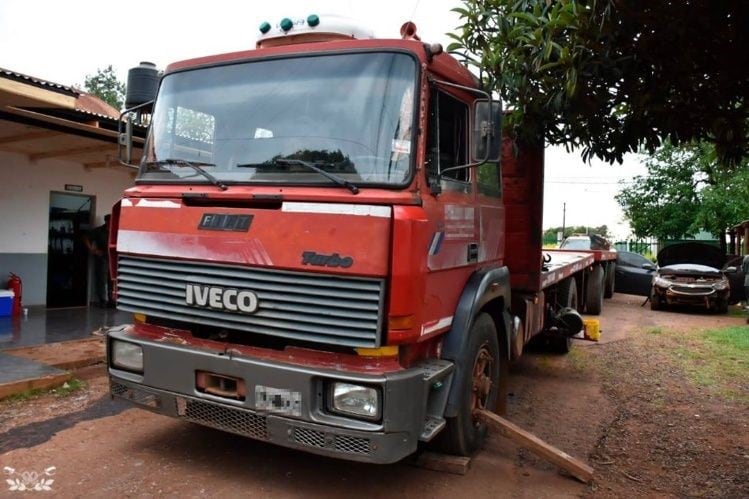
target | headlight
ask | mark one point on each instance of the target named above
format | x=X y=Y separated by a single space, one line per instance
x=355 y=400
x=128 y=356
x=721 y=285
x=661 y=282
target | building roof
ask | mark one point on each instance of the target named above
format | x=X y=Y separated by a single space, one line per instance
x=42 y=119
x=38 y=82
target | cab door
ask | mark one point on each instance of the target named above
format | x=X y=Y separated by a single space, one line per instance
x=454 y=248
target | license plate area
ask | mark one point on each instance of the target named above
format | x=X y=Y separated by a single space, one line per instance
x=220 y=385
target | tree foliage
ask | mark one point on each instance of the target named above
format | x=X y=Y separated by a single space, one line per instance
x=614 y=76
x=105 y=85
x=685 y=191
x=551 y=233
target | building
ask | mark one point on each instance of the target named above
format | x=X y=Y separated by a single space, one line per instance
x=59 y=175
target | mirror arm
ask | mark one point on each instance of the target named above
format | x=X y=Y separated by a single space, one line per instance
x=126 y=139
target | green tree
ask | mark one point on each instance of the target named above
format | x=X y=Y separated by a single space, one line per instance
x=550 y=234
x=685 y=191
x=105 y=85
x=614 y=76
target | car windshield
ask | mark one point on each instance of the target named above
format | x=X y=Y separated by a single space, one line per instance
x=578 y=243
x=267 y=121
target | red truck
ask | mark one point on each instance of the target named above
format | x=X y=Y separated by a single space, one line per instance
x=326 y=250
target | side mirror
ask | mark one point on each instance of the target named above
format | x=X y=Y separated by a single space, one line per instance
x=648 y=266
x=487 y=130
x=730 y=270
x=125 y=139
x=142 y=87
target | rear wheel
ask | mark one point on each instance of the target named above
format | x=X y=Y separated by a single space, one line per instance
x=479 y=385
x=608 y=289
x=594 y=291
x=566 y=298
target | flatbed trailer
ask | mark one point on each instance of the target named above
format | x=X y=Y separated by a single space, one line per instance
x=607 y=260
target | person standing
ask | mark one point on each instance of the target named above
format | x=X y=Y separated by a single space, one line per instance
x=98 y=246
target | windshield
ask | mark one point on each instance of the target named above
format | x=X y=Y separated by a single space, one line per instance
x=348 y=114
x=579 y=243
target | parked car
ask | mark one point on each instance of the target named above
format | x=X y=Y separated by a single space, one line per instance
x=634 y=273
x=585 y=242
x=736 y=270
x=690 y=274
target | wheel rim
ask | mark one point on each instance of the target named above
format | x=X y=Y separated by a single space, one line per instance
x=481 y=380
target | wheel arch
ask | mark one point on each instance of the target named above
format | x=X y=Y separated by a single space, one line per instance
x=487 y=290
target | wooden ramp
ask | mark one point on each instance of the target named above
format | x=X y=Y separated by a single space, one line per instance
x=574 y=466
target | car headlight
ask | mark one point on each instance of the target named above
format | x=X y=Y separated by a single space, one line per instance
x=721 y=285
x=661 y=282
x=355 y=400
x=128 y=356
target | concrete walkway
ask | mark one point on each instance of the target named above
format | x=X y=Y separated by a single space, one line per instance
x=50 y=326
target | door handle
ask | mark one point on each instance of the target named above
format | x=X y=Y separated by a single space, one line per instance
x=473 y=252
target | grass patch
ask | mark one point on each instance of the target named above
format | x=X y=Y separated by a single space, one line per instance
x=654 y=330
x=737 y=311
x=718 y=358
x=68 y=388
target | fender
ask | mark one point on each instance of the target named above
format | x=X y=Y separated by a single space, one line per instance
x=482 y=287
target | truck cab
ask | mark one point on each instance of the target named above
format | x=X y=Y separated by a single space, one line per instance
x=314 y=248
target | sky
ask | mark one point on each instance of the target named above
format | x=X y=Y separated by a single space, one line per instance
x=65 y=41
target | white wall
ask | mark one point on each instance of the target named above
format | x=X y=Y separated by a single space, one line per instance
x=24 y=196
x=24 y=212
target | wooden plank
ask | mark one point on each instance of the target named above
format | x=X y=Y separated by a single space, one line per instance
x=559 y=458
x=137 y=141
x=457 y=465
x=25 y=137
x=40 y=383
x=73 y=152
x=16 y=93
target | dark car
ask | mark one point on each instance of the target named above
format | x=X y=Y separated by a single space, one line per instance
x=689 y=274
x=634 y=273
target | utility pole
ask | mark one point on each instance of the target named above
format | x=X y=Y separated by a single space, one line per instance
x=564 y=215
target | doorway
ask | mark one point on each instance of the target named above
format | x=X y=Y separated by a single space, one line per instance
x=70 y=219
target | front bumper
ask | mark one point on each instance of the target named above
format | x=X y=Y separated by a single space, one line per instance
x=168 y=386
x=706 y=296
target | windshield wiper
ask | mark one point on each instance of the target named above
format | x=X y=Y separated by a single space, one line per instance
x=197 y=166
x=312 y=166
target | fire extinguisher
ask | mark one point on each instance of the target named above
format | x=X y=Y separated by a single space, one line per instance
x=16 y=285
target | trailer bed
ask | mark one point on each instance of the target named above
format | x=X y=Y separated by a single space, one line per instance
x=598 y=255
x=563 y=263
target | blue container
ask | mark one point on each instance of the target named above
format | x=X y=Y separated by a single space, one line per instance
x=6 y=302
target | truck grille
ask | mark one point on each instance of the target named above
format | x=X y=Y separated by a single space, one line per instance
x=303 y=306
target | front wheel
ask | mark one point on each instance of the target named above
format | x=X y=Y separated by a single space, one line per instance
x=478 y=387
x=655 y=301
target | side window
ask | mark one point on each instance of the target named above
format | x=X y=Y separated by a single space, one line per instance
x=447 y=144
x=489 y=180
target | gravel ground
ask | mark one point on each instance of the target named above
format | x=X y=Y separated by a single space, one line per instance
x=626 y=405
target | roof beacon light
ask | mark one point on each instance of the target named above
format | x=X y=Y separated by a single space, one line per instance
x=312 y=29
x=286 y=24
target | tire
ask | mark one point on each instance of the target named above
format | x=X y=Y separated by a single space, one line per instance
x=594 y=291
x=655 y=301
x=566 y=298
x=721 y=307
x=608 y=289
x=463 y=435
